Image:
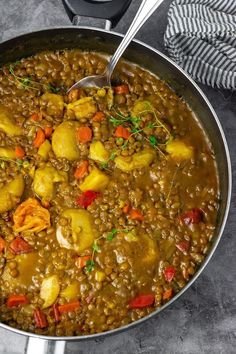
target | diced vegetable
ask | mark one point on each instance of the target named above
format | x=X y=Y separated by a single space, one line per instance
x=7 y=123
x=87 y=198
x=84 y=135
x=122 y=89
x=10 y=194
x=30 y=216
x=40 y=319
x=48 y=131
x=20 y=246
x=83 y=231
x=71 y=306
x=7 y=153
x=183 y=246
x=16 y=300
x=138 y=160
x=194 y=216
x=83 y=108
x=39 y=138
x=140 y=107
x=142 y=301
x=71 y=291
x=64 y=143
x=96 y=181
x=99 y=117
x=44 y=149
x=45 y=179
x=54 y=104
x=110 y=98
x=49 y=290
x=56 y=313
x=36 y=117
x=97 y=152
x=169 y=273
x=167 y=294
x=99 y=276
x=82 y=169
x=2 y=244
x=179 y=150
x=122 y=132
x=19 y=152
x=82 y=261
x=74 y=95
x=136 y=215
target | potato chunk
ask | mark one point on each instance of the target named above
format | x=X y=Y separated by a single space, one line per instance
x=44 y=149
x=71 y=291
x=10 y=194
x=95 y=181
x=97 y=152
x=7 y=123
x=45 y=179
x=49 y=290
x=7 y=153
x=140 y=107
x=83 y=108
x=138 y=160
x=179 y=150
x=83 y=231
x=53 y=104
x=64 y=142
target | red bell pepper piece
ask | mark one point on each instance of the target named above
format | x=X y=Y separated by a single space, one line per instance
x=194 y=216
x=87 y=198
x=40 y=318
x=19 y=246
x=142 y=301
x=169 y=273
x=183 y=246
x=16 y=300
x=56 y=313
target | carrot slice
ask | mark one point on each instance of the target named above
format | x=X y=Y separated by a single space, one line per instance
x=136 y=215
x=98 y=117
x=71 y=306
x=16 y=300
x=81 y=170
x=36 y=117
x=121 y=89
x=48 y=131
x=40 y=318
x=126 y=209
x=20 y=152
x=167 y=294
x=2 y=244
x=39 y=138
x=82 y=261
x=84 y=134
x=20 y=246
x=122 y=132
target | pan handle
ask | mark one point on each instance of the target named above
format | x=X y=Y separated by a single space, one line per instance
x=41 y=346
x=109 y=10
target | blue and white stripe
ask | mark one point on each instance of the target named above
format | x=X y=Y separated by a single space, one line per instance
x=201 y=38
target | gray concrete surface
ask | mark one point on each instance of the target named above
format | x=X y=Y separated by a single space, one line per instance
x=204 y=319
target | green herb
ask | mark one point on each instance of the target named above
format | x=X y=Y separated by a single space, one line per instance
x=104 y=165
x=53 y=88
x=95 y=247
x=112 y=234
x=151 y=125
x=153 y=140
x=90 y=265
x=19 y=163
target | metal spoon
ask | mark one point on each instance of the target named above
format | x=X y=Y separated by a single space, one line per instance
x=145 y=10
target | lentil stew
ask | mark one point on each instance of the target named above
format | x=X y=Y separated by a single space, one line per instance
x=108 y=198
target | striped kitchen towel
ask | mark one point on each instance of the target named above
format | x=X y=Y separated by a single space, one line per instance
x=201 y=38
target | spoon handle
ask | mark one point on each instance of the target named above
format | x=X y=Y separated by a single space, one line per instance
x=145 y=10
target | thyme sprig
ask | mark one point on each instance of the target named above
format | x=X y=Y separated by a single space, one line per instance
x=27 y=82
x=90 y=264
x=104 y=165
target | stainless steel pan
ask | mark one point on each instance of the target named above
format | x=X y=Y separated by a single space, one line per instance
x=94 y=39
